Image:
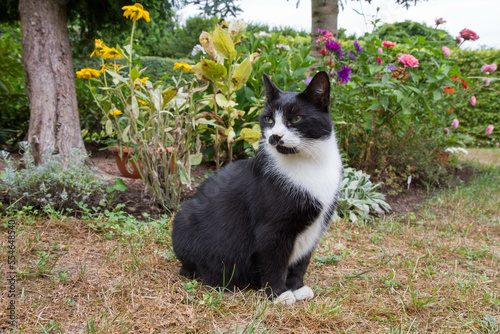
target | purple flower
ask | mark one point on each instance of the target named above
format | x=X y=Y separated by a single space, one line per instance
x=344 y=74
x=333 y=45
x=358 y=47
x=321 y=31
x=391 y=67
x=308 y=80
x=351 y=55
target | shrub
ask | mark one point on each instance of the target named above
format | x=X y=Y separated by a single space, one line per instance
x=57 y=183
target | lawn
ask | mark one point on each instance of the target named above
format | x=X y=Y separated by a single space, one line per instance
x=432 y=270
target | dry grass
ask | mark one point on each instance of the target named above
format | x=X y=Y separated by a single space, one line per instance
x=485 y=157
x=432 y=271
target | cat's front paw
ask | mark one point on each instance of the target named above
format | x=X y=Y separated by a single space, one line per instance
x=285 y=299
x=304 y=293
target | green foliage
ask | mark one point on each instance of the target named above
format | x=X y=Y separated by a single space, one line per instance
x=158 y=68
x=358 y=196
x=485 y=112
x=398 y=31
x=14 y=110
x=49 y=184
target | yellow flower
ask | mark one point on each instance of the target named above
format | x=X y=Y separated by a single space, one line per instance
x=87 y=73
x=140 y=81
x=115 y=112
x=99 y=45
x=185 y=67
x=109 y=53
x=136 y=12
x=144 y=103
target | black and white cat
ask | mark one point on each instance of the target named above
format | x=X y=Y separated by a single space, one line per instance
x=256 y=222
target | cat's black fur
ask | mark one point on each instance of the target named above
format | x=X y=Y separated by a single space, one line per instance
x=240 y=228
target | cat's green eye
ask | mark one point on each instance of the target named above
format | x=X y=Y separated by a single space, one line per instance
x=269 y=120
x=296 y=119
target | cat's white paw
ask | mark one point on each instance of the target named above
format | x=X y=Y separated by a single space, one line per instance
x=286 y=298
x=304 y=293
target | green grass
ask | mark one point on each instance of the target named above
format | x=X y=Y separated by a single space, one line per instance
x=434 y=271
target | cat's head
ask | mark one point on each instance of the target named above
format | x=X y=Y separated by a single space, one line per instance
x=290 y=120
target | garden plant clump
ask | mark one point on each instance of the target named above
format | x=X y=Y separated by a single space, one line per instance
x=48 y=184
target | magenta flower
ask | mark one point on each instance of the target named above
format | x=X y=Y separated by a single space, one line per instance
x=379 y=60
x=468 y=35
x=440 y=21
x=388 y=44
x=380 y=50
x=446 y=131
x=473 y=100
x=487 y=81
x=489 y=68
x=408 y=60
x=333 y=45
x=454 y=124
x=323 y=52
x=446 y=51
x=489 y=129
x=459 y=39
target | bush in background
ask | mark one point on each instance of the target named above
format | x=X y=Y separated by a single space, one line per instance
x=14 y=109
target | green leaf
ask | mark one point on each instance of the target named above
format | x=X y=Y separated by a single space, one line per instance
x=195 y=159
x=250 y=135
x=125 y=136
x=120 y=185
x=208 y=70
x=109 y=127
x=242 y=72
x=223 y=43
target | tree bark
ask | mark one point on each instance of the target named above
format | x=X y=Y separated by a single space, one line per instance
x=324 y=14
x=50 y=81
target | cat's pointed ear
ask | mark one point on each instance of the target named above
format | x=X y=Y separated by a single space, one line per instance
x=318 y=90
x=272 y=92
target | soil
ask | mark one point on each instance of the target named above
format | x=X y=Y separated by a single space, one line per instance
x=137 y=201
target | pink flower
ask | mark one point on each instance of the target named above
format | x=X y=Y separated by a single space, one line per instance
x=323 y=52
x=487 y=81
x=446 y=51
x=489 y=68
x=380 y=50
x=473 y=100
x=467 y=35
x=489 y=129
x=459 y=39
x=446 y=131
x=440 y=21
x=408 y=60
x=454 y=124
x=379 y=60
x=388 y=44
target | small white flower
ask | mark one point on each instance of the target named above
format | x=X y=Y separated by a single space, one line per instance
x=284 y=47
x=197 y=49
x=264 y=34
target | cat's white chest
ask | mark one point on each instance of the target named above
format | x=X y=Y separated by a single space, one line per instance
x=319 y=175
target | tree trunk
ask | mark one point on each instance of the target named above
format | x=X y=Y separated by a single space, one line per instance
x=324 y=15
x=50 y=81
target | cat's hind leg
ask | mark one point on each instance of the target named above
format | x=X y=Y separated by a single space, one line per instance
x=188 y=270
